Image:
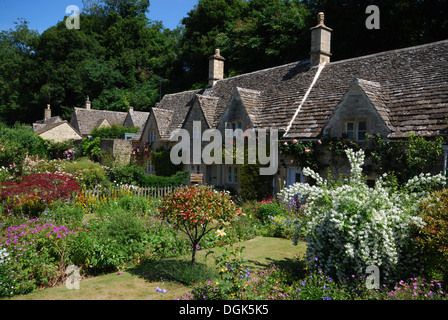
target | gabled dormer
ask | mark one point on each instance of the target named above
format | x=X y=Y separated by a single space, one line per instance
x=362 y=110
x=242 y=110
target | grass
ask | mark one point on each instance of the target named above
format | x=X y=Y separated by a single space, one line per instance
x=140 y=283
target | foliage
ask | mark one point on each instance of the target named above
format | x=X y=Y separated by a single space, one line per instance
x=135 y=175
x=87 y=173
x=162 y=163
x=351 y=226
x=91 y=148
x=37 y=252
x=304 y=153
x=353 y=39
x=115 y=131
x=30 y=195
x=197 y=211
x=269 y=30
x=141 y=152
x=433 y=237
x=17 y=142
x=252 y=184
x=265 y=210
x=59 y=150
x=129 y=174
x=405 y=158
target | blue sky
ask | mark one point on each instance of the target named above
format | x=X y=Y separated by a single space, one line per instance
x=42 y=14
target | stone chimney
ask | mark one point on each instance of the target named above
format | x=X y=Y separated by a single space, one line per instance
x=131 y=109
x=320 y=42
x=47 y=113
x=215 y=68
x=88 y=103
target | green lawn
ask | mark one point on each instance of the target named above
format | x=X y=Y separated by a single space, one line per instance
x=141 y=282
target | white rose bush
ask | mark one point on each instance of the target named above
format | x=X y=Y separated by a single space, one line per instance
x=350 y=226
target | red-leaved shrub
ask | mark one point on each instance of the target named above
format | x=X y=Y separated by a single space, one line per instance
x=31 y=194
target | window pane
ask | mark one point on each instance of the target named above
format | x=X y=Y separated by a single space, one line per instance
x=362 y=129
x=235 y=174
x=361 y=136
x=349 y=129
x=362 y=126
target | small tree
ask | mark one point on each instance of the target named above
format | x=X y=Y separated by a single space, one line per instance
x=196 y=211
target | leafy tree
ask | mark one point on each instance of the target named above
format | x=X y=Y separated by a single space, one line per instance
x=16 y=53
x=403 y=23
x=196 y=211
x=252 y=35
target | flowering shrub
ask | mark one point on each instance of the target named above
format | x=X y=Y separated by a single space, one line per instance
x=87 y=173
x=433 y=238
x=32 y=194
x=197 y=211
x=280 y=227
x=351 y=226
x=35 y=252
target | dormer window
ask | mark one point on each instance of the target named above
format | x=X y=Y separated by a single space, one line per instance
x=356 y=129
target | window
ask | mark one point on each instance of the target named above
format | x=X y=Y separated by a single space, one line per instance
x=232 y=174
x=350 y=130
x=149 y=166
x=234 y=125
x=229 y=174
x=152 y=136
x=195 y=168
x=362 y=130
x=356 y=129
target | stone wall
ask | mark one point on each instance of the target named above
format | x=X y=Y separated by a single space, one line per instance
x=118 y=148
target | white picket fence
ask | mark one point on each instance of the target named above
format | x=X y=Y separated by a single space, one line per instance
x=147 y=192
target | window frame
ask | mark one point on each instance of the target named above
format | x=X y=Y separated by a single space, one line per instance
x=355 y=131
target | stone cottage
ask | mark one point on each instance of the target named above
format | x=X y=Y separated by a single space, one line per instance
x=392 y=93
x=54 y=128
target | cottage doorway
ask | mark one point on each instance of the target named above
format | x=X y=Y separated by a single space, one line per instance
x=294 y=175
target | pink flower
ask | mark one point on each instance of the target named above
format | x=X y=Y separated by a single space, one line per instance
x=307 y=150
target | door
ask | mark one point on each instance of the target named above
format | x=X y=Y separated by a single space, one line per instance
x=294 y=175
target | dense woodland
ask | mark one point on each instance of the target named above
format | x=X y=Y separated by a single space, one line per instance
x=120 y=58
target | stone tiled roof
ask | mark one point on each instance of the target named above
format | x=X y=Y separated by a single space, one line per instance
x=164 y=119
x=179 y=104
x=85 y=120
x=408 y=88
x=208 y=105
x=137 y=119
x=42 y=123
